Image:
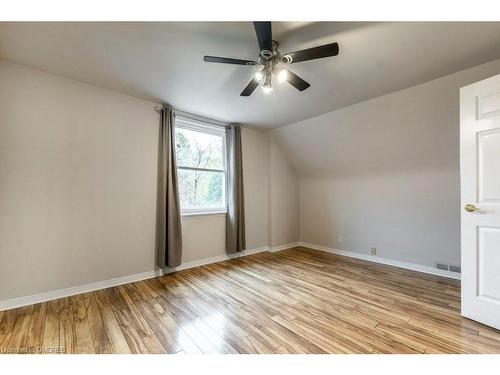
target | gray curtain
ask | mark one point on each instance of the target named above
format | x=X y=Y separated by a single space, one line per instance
x=235 y=218
x=169 y=234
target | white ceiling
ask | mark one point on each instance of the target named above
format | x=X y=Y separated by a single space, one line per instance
x=163 y=61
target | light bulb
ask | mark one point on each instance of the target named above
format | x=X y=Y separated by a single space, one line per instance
x=268 y=86
x=267 y=89
x=259 y=76
x=282 y=75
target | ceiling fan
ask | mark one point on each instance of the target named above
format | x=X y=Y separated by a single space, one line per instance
x=272 y=62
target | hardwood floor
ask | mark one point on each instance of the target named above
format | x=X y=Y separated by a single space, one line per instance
x=293 y=301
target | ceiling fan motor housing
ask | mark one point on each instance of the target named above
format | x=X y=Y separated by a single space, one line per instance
x=266 y=54
x=272 y=61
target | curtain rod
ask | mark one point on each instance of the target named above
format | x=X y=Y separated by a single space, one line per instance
x=195 y=117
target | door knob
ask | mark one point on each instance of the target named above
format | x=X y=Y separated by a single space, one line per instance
x=471 y=208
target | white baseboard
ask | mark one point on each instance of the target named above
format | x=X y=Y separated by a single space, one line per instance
x=388 y=262
x=215 y=259
x=67 y=292
x=61 y=293
x=285 y=246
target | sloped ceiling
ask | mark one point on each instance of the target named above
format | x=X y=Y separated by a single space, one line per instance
x=413 y=129
x=162 y=62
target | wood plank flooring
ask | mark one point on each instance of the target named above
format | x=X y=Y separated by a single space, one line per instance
x=292 y=301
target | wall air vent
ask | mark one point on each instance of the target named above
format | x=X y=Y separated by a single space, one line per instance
x=448 y=267
x=442 y=266
x=457 y=269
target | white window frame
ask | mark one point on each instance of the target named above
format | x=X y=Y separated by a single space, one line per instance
x=182 y=122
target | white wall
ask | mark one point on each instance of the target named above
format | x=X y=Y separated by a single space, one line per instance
x=255 y=148
x=204 y=236
x=385 y=173
x=284 y=198
x=77 y=183
x=78 y=186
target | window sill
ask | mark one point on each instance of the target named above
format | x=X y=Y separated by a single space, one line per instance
x=187 y=215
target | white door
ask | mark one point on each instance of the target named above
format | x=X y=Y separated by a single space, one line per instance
x=480 y=185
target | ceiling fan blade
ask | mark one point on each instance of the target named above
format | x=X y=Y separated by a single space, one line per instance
x=227 y=60
x=296 y=81
x=264 y=35
x=247 y=91
x=319 y=52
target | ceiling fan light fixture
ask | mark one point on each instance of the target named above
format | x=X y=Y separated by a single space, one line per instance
x=282 y=75
x=267 y=89
x=267 y=86
x=287 y=59
x=259 y=76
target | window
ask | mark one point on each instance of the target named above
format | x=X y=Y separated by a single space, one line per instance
x=201 y=166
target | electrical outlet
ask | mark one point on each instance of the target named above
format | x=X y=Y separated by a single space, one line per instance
x=340 y=238
x=373 y=251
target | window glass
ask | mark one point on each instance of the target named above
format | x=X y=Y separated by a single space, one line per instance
x=198 y=149
x=201 y=166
